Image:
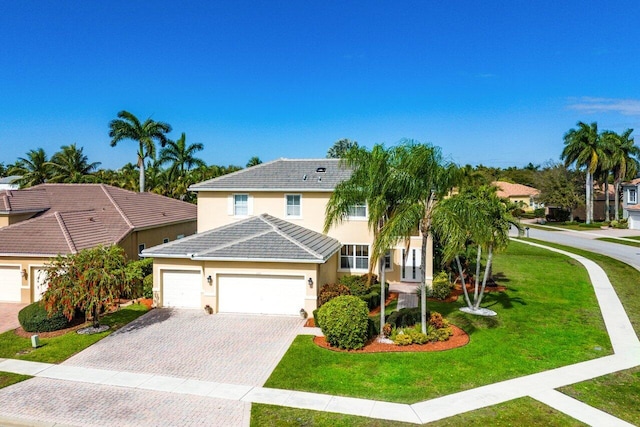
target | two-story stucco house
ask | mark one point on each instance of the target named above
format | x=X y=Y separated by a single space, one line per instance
x=260 y=246
x=630 y=203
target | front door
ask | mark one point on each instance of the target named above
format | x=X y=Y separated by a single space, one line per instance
x=411 y=271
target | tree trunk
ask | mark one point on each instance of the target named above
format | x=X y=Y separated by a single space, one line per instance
x=616 y=198
x=484 y=279
x=464 y=285
x=141 y=166
x=383 y=297
x=587 y=199
x=607 y=217
x=96 y=316
x=423 y=283
x=477 y=278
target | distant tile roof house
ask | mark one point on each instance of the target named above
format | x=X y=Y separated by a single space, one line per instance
x=517 y=193
x=50 y=219
x=261 y=245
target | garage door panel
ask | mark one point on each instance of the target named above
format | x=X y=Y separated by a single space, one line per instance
x=261 y=294
x=181 y=289
x=10 y=284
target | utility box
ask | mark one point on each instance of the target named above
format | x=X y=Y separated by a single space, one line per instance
x=35 y=341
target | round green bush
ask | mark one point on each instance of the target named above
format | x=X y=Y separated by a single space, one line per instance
x=440 y=286
x=34 y=318
x=344 y=322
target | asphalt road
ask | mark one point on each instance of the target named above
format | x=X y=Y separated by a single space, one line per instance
x=586 y=241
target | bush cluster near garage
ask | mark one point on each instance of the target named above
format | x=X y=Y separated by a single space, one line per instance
x=366 y=287
x=344 y=322
x=34 y=318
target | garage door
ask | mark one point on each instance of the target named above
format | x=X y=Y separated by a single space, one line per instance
x=10 y=283
x=261 y=294
x=634 y=220
x=181 y=289
x=38 y=282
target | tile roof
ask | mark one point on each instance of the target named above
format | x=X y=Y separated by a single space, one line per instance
x=260 y=238
x=632 y=182
x=282 y=174
x=71 y=217
x=507 y=189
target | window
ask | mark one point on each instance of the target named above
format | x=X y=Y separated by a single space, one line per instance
x=240 y=204
x=293 y=205
x=179 y=236
x=359 y=210
x=633 y=199
x=387 y=261
x=354 y=257
x=141 y=248
x=165 y=240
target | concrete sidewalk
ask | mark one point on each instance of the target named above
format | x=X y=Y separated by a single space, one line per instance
x=540 y=386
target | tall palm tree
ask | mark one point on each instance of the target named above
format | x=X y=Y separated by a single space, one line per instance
x=70 y=165
x=181 y=156
x=624 y=155
x=583 y=147
x=254 y=161
x=340 y=148
x=369 y=183
x=34 y=168
x=422 y=176
x=127 y=126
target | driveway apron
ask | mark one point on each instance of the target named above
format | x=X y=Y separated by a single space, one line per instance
x=9 y=315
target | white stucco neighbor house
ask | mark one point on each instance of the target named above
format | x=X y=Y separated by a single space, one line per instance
x=260 y=246
x=9 y=182
x=630 y=204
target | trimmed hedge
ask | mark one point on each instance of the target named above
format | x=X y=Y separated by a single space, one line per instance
x=344 y=322
x=406 y=317
x=34 y=318
x=330 y=291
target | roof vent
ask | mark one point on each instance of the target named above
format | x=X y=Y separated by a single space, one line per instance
x=319 y=179
x=321 y=170
x=304 y=178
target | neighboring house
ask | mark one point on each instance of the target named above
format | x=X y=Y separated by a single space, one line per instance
x=599 y=204
x=630 y=204
x=520 y=194
x=41 y=222
x=9 y=182
x=260 y=246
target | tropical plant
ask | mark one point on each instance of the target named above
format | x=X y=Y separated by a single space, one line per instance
x=369 y=183
x=344 y=322
x=34 y=168
x=340 y=148
x=127 y=126
x=558 y=187
x=623 y=156
x=89 y=281
x=181 y=156
x=583 y=147
x=71 y=165
x=420 y=176
x=254 y=161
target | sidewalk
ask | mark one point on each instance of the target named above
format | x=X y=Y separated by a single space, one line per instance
x=540 y=386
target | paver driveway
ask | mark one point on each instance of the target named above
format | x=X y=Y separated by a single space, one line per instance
x=9 y=315
x=183 y=343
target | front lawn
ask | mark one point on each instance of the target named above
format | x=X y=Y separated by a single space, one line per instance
x=547 y=318
x=7 y=378
x=622 y=242
x=58 y=349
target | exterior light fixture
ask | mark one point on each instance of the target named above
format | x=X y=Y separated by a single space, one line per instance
x=210 y=280
x=23 y=273
x=310 y=282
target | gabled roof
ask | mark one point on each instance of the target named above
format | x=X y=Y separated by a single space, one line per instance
x=261 y=238
x=281 y=175
x=71 y=217
x=508 y=189
x=632 y=182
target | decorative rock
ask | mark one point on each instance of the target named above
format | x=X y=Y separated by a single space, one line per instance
x=479 y=312
x=91 y=330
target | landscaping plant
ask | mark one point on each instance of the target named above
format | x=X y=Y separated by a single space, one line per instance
x=344 y=322
x=35 y=318
x=331 y=291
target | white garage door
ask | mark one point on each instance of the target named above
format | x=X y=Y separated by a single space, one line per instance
x=10 y=283
x=634 y=220
x=261 y=294
x=181 y=289
x=39 y=283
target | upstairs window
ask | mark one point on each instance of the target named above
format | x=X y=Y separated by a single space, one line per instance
x=358 y=210
x=633 y=198
x=293 y=208
x=354 y=257
x=240 y=205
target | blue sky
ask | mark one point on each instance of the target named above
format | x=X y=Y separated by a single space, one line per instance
x=490 y=82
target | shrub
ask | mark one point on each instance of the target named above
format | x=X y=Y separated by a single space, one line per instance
x=436 y=320
x=331 y=291
x=403 y=339
x=619 y=224
x=405 y=317
x=440 y=287
x=386 y=329
x=147 y=286
x=344 y=321
x=538 y=212
x=34 y=318
x=360 y=285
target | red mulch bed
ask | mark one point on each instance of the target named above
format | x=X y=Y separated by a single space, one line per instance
x=459 y=339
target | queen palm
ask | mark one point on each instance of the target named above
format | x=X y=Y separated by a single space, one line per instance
x=181 y=156
x=71 y=165
x=369 y=183
x=623 y=157
x=34 y=168
x=583 y=147
x=127 y=126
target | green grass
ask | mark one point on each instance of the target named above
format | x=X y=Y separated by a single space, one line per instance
x=58 y=349
x=7 y=378
x=547 y=318
x=621 y=242
x=519 y=412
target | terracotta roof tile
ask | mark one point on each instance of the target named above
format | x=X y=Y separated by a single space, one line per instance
x=507 y=189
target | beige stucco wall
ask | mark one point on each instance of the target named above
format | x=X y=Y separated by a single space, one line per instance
x=154 y=236
x=6 y=220
x=28 y=265
x=523 y=201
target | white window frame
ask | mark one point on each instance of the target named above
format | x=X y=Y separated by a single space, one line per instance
x=358 y=217
x=634 y=200
x=234 y=205
x=354 y=257
x=286 y=205
x=388 y=261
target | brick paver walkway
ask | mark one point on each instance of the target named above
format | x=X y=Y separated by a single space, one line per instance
x=9 y=315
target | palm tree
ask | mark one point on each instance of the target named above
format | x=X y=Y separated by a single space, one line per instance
x=127 y=126
x=70 y=165
x=624 y=163
x=181 y=156
x=583 y=147
x=34 y=169
x=340 y=148
x=369 y=183
x=421 y=176
x=254 y=161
